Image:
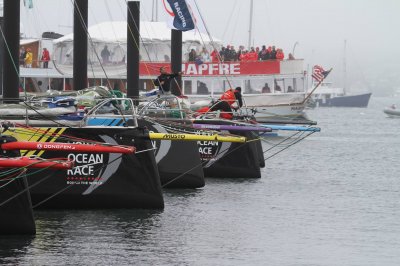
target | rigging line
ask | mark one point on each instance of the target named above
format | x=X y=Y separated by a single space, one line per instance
x=229 y=20
x=236 y=22
x=91 y=63
x=113 y=30
x=11 y=59
x=33 y=173
x=9 y=176
x=26 y=189
x=140 y=40
x=279 y=143
x=45 y=117
x=312 y=132
x=211 y=41
x=90 y=40
x=52 y=196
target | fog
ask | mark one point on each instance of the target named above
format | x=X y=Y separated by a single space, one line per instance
x=370 y=28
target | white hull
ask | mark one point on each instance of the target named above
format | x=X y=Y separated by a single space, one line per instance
x=393 y=113
x=265 y=106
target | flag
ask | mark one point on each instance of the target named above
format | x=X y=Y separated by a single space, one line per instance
x=319 y=74
x=181 y=14
x=28 y=3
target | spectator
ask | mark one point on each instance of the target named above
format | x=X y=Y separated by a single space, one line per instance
x=22 y=55
x=277 y=87
x=266 y=89
x=290 y=89
x=252 y=55
x=222 y=53
x=273 y=53
x=105 y=54
x=192 y=55
x=291 y=57
x=279 y=54
x=205 y=56
x=214 y=56
x=232 y=54
x=202 y=88
x=45 y=58
x=28 y=58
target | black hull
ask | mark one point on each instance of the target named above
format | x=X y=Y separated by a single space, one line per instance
x=97 y=180
x=17 y=214
x=232 y=160
x=178 y=162
x=360 y=100
x=16 y=210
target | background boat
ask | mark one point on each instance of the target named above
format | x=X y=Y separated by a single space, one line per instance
x=328 y=96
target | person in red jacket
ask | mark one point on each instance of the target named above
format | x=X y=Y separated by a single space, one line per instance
x=279 y=54
x=214 y=56
x=45 y=58
x=252 y=55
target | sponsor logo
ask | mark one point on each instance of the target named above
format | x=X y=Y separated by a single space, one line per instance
x=211 y=69
x=180 y=14
x=84 y=164
x=173 y=136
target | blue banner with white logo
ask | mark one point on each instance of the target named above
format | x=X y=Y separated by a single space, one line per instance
x=183 y=19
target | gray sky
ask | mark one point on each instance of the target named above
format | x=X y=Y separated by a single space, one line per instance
x=371 y=28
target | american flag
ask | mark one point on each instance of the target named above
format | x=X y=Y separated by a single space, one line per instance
x=319 y=73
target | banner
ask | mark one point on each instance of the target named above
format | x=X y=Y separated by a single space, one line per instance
x=238 y=68
x=182 y=17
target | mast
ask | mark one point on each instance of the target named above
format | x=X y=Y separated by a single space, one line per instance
x=133 y=50
x=11 y=50
x=344 y=68
x=154 y=11
x=80 y=44
x=176 y=60
x=250 y=23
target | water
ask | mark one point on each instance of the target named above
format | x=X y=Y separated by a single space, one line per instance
x=333 y=199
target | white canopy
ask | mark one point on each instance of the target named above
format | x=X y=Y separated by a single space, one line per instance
x=116 y=31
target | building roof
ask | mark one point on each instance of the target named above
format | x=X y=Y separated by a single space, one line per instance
x=116 y=31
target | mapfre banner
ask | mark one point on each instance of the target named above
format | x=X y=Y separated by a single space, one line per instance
x=215 y=69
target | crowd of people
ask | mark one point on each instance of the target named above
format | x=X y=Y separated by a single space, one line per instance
x=229 y=53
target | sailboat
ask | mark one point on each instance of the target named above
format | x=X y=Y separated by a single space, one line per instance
x=329 y=96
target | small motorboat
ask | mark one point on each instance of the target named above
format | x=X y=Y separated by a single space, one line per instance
x=392 y=111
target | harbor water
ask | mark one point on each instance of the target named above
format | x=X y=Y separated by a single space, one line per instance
x=332 y=199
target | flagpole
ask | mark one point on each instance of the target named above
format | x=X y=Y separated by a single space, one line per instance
x=312 y=91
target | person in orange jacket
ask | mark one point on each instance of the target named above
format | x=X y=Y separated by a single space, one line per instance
x=226 y=101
